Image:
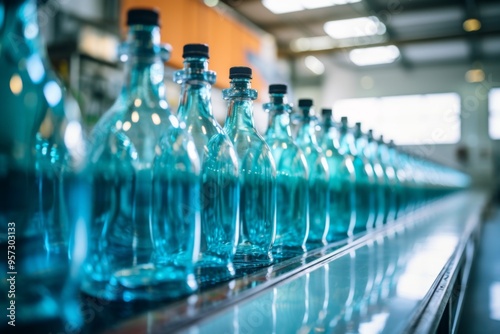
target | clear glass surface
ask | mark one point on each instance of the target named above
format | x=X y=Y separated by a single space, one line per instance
x=257 y=169
x=364 y=184
x=44 y=196
x=392 y=184
x=219 y=183
x=292 y=198
x=368 y=149
x=319 y=178
x=341 y=185
x=145 y=171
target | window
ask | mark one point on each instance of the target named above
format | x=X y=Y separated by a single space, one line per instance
x=494 y=117
x=409 y=119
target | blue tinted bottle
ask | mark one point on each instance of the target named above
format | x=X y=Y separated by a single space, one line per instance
x=219 y=182
x=257 y=170
x=402 y=196
x=145 y=170
x=391 y=184
x=44 y=196
x=292 y=219
x=342 y=181
x=319 y=177
x=353 y=143
x=368 y=148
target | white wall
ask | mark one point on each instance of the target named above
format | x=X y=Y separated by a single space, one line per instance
x=346 y=82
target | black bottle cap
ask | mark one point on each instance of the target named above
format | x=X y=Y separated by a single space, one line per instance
x=277 y=89
x=195 y=50
x=305 y=103
x=358 y=125
x=325 y=112
x=144 y=16
x=240 y=72
x=343 y=120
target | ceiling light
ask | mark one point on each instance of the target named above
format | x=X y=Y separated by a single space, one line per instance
x=211 y=3
x=474 y=75
x=358 y=27
x=311 y=4
x=315 y=65
x=282 y=7
x=288 y=6
x=472 y=25
x=375 y=55
x=312 y=43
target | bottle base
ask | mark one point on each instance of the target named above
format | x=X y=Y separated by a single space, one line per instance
x=315 y=244
x=281 y=253
x=209 y=273
x=248 y=259
x=142 y=283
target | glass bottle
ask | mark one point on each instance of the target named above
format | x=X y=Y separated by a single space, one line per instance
x=44 y=195
x=319 y=177
x=342 y=180
x=392 y=181
x=257 y=230
x=292 y=218
x=219 y=167
x=365 y=181
x=380 y=178
x=145 y=171
x=402 y=194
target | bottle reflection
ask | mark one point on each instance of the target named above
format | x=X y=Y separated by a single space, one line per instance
x=318 y=296
x=291 y=305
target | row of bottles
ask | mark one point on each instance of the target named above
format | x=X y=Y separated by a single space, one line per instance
x=181 y=202
x=155 y=204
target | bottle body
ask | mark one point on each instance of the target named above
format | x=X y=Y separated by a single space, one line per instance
x=319 y=178
x=292 y=183
x=392 y=185
x=145 y=171
x=319 y=197
x=219 y=181
x=44 y=196
x=364 y=185
x=292 y=198
x=257 y=201
x=341 y=185
x=367 y=149
x=257 y=178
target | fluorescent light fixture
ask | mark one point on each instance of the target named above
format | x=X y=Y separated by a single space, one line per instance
x=314 y=65
x=311 y=4
x=288 y=6
x=375 y=55
x=312 y=43
x=282 y=7
x=358 y=27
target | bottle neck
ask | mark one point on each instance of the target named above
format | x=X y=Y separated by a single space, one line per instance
x=346 y=141
x=361 y=143
x=331 y=135
x=307 y=129
x=144 y=80
x=196 y=82
x=240 y=110
x=383 y=152
x=279 y=126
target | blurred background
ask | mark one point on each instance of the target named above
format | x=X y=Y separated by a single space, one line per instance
x=424 y=73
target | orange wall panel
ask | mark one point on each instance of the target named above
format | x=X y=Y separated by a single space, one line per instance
x=190 y=21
